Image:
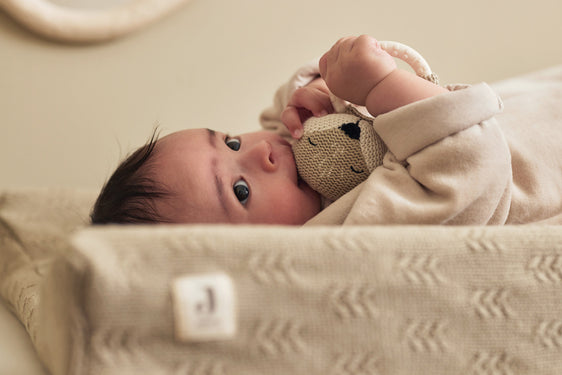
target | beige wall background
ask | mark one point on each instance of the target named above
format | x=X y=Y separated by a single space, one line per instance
x=69 y=113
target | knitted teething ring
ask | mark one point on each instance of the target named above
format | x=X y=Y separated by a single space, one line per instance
x=411 y=57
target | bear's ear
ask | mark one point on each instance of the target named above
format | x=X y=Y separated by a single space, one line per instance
x=352 y=129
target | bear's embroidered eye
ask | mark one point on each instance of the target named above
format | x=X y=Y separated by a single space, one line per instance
x=232 y=143
x=242 y=191
x=312 y=143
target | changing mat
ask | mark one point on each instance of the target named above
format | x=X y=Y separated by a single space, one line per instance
x=394 y=300
x=279 y=300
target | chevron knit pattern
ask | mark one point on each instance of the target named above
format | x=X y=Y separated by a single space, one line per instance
x=309 y=301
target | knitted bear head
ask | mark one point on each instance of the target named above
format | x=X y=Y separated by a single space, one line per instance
x=337 y=152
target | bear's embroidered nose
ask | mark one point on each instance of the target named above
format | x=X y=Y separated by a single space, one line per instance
x=352 y=129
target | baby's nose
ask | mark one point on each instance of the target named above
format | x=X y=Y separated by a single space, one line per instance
x=261 y=155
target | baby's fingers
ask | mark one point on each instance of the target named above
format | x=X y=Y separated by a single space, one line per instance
x=314 y=100
x=291 y=118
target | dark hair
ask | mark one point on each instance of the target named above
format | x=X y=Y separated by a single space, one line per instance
x=130 y=193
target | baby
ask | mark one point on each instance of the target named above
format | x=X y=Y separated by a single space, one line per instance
x=203 y=176
x=448 y=160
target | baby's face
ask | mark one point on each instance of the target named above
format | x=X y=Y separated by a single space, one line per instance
x=250 y=178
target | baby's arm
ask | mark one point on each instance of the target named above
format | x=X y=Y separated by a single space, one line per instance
x=358 y=70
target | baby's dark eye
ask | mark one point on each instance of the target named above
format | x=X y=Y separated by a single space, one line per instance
x=232 y=143
x=241 y=191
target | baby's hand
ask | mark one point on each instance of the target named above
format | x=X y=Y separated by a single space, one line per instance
x=354 y=66
x=310 y=100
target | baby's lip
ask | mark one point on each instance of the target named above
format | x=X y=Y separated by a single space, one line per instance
x=285 y=153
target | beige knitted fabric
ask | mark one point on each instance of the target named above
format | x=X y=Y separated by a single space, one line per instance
x=34 y=229
x=319 y=300
x=315 y=301
x=337 y=152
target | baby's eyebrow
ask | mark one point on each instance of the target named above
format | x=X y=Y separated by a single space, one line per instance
x=220 y=193
x=212 y=137
x=218 y=181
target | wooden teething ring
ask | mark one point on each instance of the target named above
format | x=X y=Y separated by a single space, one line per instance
x=411 y=57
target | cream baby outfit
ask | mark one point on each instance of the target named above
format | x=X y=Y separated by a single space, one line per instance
x=465 y=157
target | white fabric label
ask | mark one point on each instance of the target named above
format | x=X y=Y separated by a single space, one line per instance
x=204 y=307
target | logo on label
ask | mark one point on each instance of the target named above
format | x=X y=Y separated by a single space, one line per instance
x=208 y=305
x=204 y=307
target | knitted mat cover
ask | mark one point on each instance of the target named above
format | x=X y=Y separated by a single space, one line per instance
x=278 y=300
x=323 y=300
